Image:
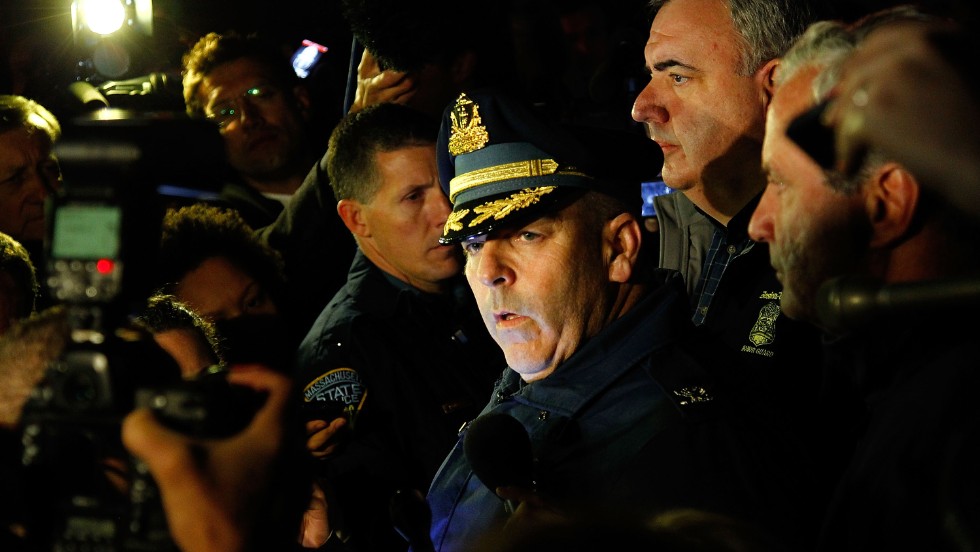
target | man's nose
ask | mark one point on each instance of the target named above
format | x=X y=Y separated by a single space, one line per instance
x=647 y=108
x=491 y=267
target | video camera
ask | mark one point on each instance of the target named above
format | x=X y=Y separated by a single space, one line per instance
x=122 y=170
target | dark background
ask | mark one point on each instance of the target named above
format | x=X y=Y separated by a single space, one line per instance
x=38 y=58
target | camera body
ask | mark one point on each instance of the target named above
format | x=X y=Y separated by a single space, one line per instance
x=85 y=492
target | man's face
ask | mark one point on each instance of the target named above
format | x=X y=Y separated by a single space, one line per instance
x=405 y=218
x=27 y=167
x=813 y=231
x=540 y=288
x=264 y=139
x=219 y=290
x=707 y=118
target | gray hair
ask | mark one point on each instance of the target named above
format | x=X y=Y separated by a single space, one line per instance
x=20 y=112
x=767 y=27
x=826 y=45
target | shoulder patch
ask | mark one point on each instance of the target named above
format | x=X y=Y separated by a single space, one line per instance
x=340 y=387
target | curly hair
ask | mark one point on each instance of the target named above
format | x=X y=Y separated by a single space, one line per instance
x=165 y=312
x=195 y=233
x=214 y=49
x=16 y=263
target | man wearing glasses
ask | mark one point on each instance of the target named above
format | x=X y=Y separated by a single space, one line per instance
x=249 y=90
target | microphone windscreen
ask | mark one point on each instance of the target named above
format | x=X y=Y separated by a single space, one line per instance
x=498 y=449
x=850 y=302
x=846 y=302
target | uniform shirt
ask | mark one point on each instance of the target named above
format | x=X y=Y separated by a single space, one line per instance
x=736 y=301
x=632 y=423
x=408 y=369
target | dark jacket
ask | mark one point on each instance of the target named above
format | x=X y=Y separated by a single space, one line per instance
x=634 y=424
x=257 y=209
x=316 y=247
x=410 y=368
x=782 y=358
x=913 y=481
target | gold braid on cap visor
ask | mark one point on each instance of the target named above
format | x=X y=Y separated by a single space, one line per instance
x=502 y=207
x=507 y=171
x=497 y=209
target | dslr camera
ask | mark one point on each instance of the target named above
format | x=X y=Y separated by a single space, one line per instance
x=84 y=492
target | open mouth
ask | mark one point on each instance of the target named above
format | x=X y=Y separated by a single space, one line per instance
x=505 y=316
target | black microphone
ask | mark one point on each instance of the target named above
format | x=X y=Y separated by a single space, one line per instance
x=412 y=518
x=850 y=302
x=498 y=449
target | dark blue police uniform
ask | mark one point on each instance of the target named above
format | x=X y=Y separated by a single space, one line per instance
x=408 y=368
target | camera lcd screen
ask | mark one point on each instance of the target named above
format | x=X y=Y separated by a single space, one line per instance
x=86 y=232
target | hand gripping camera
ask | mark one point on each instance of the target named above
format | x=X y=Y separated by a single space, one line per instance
x=121 y=169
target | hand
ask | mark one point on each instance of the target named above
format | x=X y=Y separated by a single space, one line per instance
x=315 y=529
x=211 y=488
x=375 y=86
x=322 y=438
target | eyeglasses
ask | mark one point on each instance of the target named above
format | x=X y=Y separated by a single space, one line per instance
x=231 y=110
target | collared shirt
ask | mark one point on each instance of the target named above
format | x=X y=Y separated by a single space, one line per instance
x=727 y=244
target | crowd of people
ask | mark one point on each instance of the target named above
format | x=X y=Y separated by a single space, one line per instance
x=445 y=324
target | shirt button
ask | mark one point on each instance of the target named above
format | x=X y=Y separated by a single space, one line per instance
x=732 y=249
x=703 y=310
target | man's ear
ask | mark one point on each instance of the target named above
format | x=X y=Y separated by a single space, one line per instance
x=766 y=78
x=352 y=213
x=622 y=241
x=891 y=201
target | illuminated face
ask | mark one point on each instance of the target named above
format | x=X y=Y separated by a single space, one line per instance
x=27 y=169
x=706 y=117
x=262 y=124
x=540 y=289
x=219 y=290
x=814 y=232
x=403 y=221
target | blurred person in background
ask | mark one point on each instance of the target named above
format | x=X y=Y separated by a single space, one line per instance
x=29 y=170
x=838 y=241
x=210 y=260
x=18 y=282
x=248 y=88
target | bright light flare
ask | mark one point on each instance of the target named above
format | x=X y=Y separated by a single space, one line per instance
x=103 y=16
